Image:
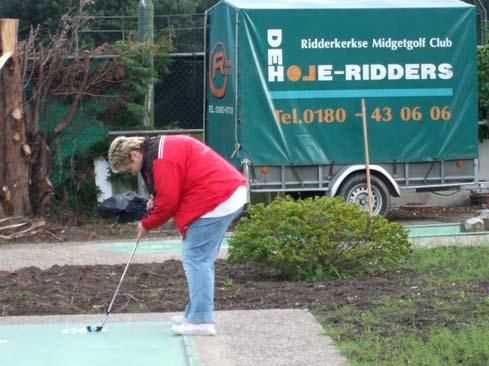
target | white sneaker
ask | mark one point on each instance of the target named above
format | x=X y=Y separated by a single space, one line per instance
x=178 y=319
x=203 y=329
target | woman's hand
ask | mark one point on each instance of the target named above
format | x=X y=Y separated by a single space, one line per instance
x=150 y=204
x=141 y=231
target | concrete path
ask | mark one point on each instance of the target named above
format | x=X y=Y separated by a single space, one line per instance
x=269 y=338
x=45 y=255
x=459 y=240
x=245 y=338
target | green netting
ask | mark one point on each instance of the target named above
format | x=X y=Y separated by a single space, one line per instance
x=84 y=131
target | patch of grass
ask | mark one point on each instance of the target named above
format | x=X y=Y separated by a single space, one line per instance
x=154 y=292
x=142 y=307
x=442 y=347
x=23 y=294
x=438 y=316
x=228 y=282
x=453 y=263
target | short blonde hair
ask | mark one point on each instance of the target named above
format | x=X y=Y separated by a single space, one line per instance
x=119 y=151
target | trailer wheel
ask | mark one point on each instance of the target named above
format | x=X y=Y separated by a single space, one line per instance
x=354 y=190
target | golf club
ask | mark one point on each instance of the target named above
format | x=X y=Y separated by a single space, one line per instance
x=98 y=328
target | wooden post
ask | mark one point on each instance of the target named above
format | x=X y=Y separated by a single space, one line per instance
x=14 y=165
x=367 y=159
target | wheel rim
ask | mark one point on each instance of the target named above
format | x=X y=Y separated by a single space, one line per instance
x=359 y=196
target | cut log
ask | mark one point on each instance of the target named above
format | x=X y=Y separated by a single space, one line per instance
x=8 y=35
x=33 y=229
x=7 y=219
x=13 y=226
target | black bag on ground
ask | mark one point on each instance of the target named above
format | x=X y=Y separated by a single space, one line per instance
x=125 y=207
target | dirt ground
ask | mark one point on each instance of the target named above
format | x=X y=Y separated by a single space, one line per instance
x=98 y=229
x=162 y=288
x=90 y=230
x=442 y=213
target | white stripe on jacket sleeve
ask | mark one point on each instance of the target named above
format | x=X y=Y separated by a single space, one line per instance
x=161 y=147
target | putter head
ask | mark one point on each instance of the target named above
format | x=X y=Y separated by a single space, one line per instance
x=94 y=328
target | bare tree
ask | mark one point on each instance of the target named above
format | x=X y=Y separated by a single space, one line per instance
x=36 y=73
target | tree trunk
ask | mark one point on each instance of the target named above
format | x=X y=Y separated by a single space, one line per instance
x=41 y=186
x=15 y=152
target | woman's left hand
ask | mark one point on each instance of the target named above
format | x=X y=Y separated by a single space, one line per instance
x=141 y=231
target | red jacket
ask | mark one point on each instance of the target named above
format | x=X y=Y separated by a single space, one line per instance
x=189 y=180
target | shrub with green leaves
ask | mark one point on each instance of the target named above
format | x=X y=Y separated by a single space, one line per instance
x=316 y=238
x=483 y=83
x=483 y=76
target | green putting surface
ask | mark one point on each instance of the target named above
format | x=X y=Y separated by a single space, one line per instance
x=435 y=230
x=153 y=246
x=119 y=344
x=426 y=231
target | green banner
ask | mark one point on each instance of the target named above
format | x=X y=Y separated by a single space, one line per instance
x=221 y=79
x=303 y=73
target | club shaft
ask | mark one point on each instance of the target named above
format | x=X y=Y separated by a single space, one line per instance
x=120 y=282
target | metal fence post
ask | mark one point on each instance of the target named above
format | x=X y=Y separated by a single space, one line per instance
x=146 y=34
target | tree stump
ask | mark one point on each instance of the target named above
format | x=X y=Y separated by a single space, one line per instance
x=14 y=164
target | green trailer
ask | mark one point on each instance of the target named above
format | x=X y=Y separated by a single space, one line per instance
x=285 y=82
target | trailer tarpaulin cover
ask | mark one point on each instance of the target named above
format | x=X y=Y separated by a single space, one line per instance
x=302 y=70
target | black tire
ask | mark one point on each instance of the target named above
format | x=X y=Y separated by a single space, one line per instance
x=354 y=189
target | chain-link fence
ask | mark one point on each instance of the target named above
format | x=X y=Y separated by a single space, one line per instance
x=482 y=20
x=185 y=31
x=178 y=97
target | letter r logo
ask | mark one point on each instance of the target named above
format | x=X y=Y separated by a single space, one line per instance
x=219 y=70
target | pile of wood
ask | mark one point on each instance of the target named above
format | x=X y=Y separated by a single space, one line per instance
x=20 y=227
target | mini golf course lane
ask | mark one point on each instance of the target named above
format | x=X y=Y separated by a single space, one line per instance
x=119 y=344
x=438 y=230
x=153 y=246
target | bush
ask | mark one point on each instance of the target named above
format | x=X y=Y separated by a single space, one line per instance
x=316 y=238
x=483 y=78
